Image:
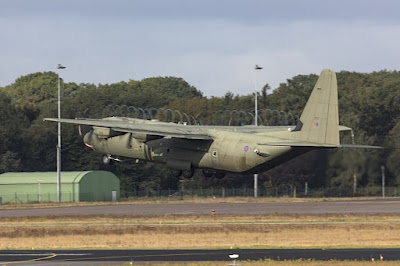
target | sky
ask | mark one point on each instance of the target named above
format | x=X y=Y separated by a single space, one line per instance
x=213 y=45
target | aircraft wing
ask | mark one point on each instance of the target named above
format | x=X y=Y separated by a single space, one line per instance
x=164 y=130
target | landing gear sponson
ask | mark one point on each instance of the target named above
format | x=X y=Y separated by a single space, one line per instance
x=108 y=159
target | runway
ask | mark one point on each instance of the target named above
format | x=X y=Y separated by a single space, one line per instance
x=87 y=257
x=131 y=209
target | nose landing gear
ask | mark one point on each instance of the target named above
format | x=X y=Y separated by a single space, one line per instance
x=108 y=159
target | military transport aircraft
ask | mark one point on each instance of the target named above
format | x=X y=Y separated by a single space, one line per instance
x=220 y=149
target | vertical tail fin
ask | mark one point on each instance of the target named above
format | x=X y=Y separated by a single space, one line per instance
x=319 y=122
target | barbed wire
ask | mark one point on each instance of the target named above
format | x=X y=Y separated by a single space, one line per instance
x=265 y=117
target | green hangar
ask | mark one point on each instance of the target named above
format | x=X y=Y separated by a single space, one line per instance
x=24 y=187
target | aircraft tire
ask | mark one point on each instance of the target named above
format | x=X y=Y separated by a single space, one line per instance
x=188 y=173
x=208 y=173
x=219 y=175
x=107 y=159
x=176 y=173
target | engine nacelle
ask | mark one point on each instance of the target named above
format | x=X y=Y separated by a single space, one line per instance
x=103 y=132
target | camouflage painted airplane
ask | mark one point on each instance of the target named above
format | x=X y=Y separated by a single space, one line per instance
x=220 y=149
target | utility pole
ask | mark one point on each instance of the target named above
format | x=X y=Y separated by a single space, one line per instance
x=59 y=66
x=257 y=67
x=355 y=171
x=383 y=180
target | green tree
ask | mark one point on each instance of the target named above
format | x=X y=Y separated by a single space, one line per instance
x=368 y=102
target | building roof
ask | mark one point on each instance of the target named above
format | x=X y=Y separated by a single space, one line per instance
x=46 y=177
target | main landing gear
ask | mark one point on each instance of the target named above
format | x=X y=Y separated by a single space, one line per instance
x=210 y=173
x=189 y=173
x=176 y=173
x=184 y=173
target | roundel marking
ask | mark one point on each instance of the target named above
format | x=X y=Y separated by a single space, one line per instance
x=246 y=148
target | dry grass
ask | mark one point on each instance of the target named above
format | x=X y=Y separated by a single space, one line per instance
x=178 y=231
x=146 y=200
x=200 y=236
x=203 y=219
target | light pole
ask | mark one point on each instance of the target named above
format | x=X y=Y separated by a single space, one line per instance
x=59 y=66
x=383 y=180
x=257 y=67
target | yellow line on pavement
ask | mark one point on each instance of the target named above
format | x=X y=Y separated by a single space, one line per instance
x=50 y=256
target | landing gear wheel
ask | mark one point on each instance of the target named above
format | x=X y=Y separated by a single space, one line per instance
x=208 y=173
x=107 y=159
x=219 y=175
x=175 y=172
x=188 y=173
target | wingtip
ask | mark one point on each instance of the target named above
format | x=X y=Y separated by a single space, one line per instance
x=50 y=119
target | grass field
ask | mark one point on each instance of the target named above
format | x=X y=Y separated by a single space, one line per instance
x=204 y=231
x=186 y=199
x=178 y=231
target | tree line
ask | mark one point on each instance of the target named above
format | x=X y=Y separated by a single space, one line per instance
x=368 y=102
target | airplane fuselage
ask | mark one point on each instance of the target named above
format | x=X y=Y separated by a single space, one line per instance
x=228 y=151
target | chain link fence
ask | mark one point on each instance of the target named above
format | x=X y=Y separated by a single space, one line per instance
x=288 y=192
x=292 y=192
x=265 y=117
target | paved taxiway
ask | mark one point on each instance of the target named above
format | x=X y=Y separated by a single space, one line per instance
x=96 y=256
x=332 y=207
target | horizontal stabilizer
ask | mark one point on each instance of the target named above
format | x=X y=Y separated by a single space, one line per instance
x=318 y=145
x=360 y=146
x=299 y=144
x=344 y=128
